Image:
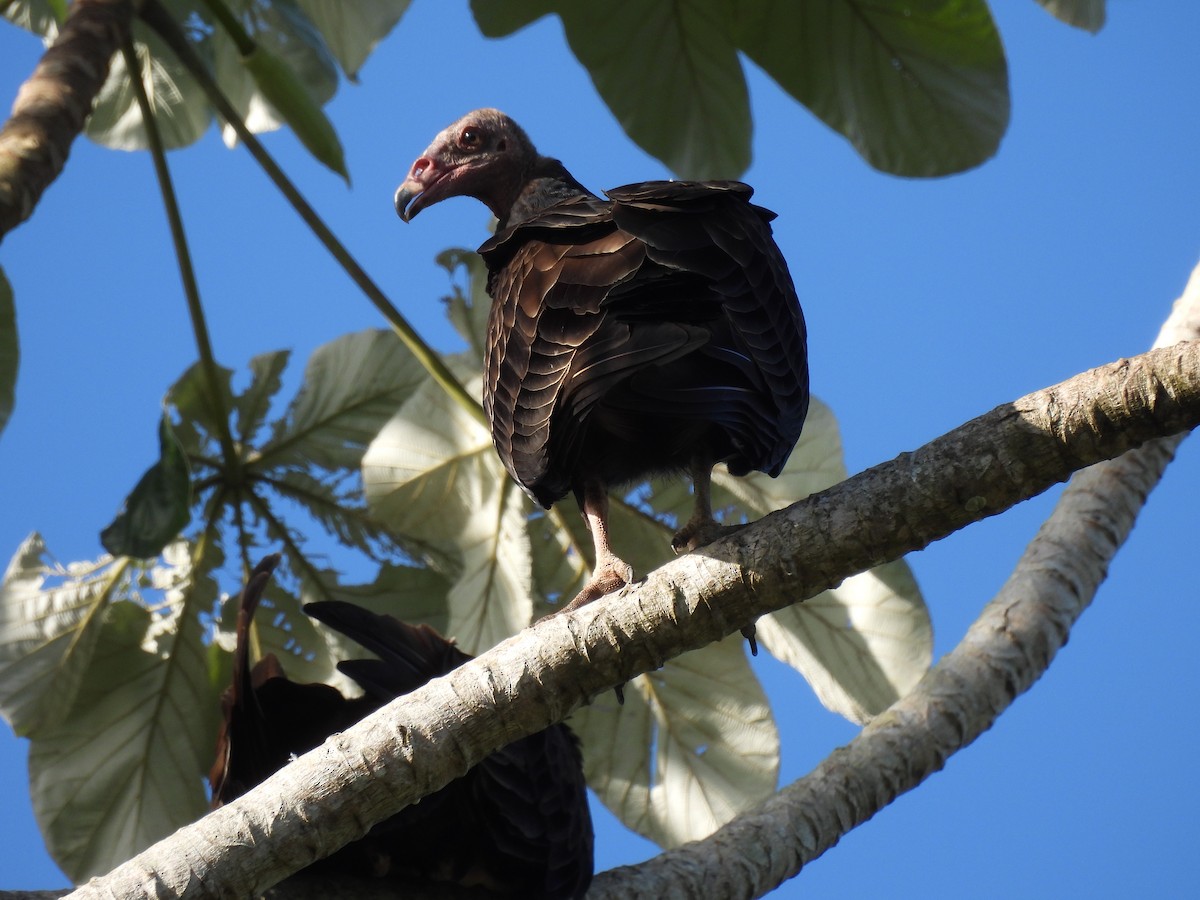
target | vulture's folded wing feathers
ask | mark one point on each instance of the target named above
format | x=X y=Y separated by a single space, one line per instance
x=669 y=301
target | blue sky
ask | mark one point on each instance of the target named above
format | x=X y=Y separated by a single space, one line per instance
x=928 y=302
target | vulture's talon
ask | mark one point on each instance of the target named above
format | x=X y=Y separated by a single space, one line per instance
x=749 y=633
x=695 y=535
x=609 y=577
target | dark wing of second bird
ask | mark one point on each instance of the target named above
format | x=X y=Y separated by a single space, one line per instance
x=518 y=822
x=516 y=825
x=632 y=336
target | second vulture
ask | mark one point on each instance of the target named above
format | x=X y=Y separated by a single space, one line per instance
x=517 y=825
x=656 y=331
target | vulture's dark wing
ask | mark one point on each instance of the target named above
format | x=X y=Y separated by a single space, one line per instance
x=409 y=655
x=711 y=230
x=519 y=820
x=670 y=303
x=539 y=832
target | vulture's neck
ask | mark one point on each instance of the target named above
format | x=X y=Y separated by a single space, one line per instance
x=547 y=182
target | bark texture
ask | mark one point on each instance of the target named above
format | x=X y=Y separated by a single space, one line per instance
x=52 y=106
x=417 y=744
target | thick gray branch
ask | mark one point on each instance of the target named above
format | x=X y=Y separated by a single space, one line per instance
x=420 y=742
x=52 y=106
x=1001 y=656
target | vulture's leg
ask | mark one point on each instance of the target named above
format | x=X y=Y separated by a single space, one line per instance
x=703 y=529
x=611 y=572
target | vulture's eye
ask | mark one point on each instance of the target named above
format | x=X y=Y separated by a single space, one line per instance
x=470 y=138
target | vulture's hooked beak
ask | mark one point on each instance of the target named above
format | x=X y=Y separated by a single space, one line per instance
x=404 y=195
x=417 y=190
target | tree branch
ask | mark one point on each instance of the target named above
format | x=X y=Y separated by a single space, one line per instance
x=420 y=742
x=1003 y=653
x=52 y=106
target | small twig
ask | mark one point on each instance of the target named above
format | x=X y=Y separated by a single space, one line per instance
x=231 y=469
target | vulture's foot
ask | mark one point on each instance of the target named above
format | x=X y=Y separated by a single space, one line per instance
x=610 y=575
x=698 y=532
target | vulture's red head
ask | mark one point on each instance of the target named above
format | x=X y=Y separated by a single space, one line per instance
x=484 y=155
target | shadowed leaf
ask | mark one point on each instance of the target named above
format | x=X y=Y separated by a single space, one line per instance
x=353 y=29
x=919 y=88
x=158 y=508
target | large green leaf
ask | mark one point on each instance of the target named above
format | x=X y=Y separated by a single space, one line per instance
x=9 y=350
x=286 y=80
x=180 y=107
x=158 y=508
x=288 y=41
x=671 y=76
x=352 y=386
x=432 y=473
x=919 y=87
x=693 y=745
x=39 y=16
x=48 y=633
x=250 y=407
x=353 y=29
x=862 y=646
x=668 y=71
x=1086 y=14
x=124 y=767
x=199 y=404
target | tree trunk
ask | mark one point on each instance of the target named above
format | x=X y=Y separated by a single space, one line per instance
x=52 y=106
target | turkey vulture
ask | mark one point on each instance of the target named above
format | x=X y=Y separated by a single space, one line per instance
x=657 y=331
x=516 y=825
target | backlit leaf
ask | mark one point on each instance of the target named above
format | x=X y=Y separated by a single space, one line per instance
x=862 y=646
x=124 y=767
x=693 y=745
x=180 y=107
x=352 y=386
x=432 y=473
x=49 y=621
x=285 y=35
x=250 y=408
